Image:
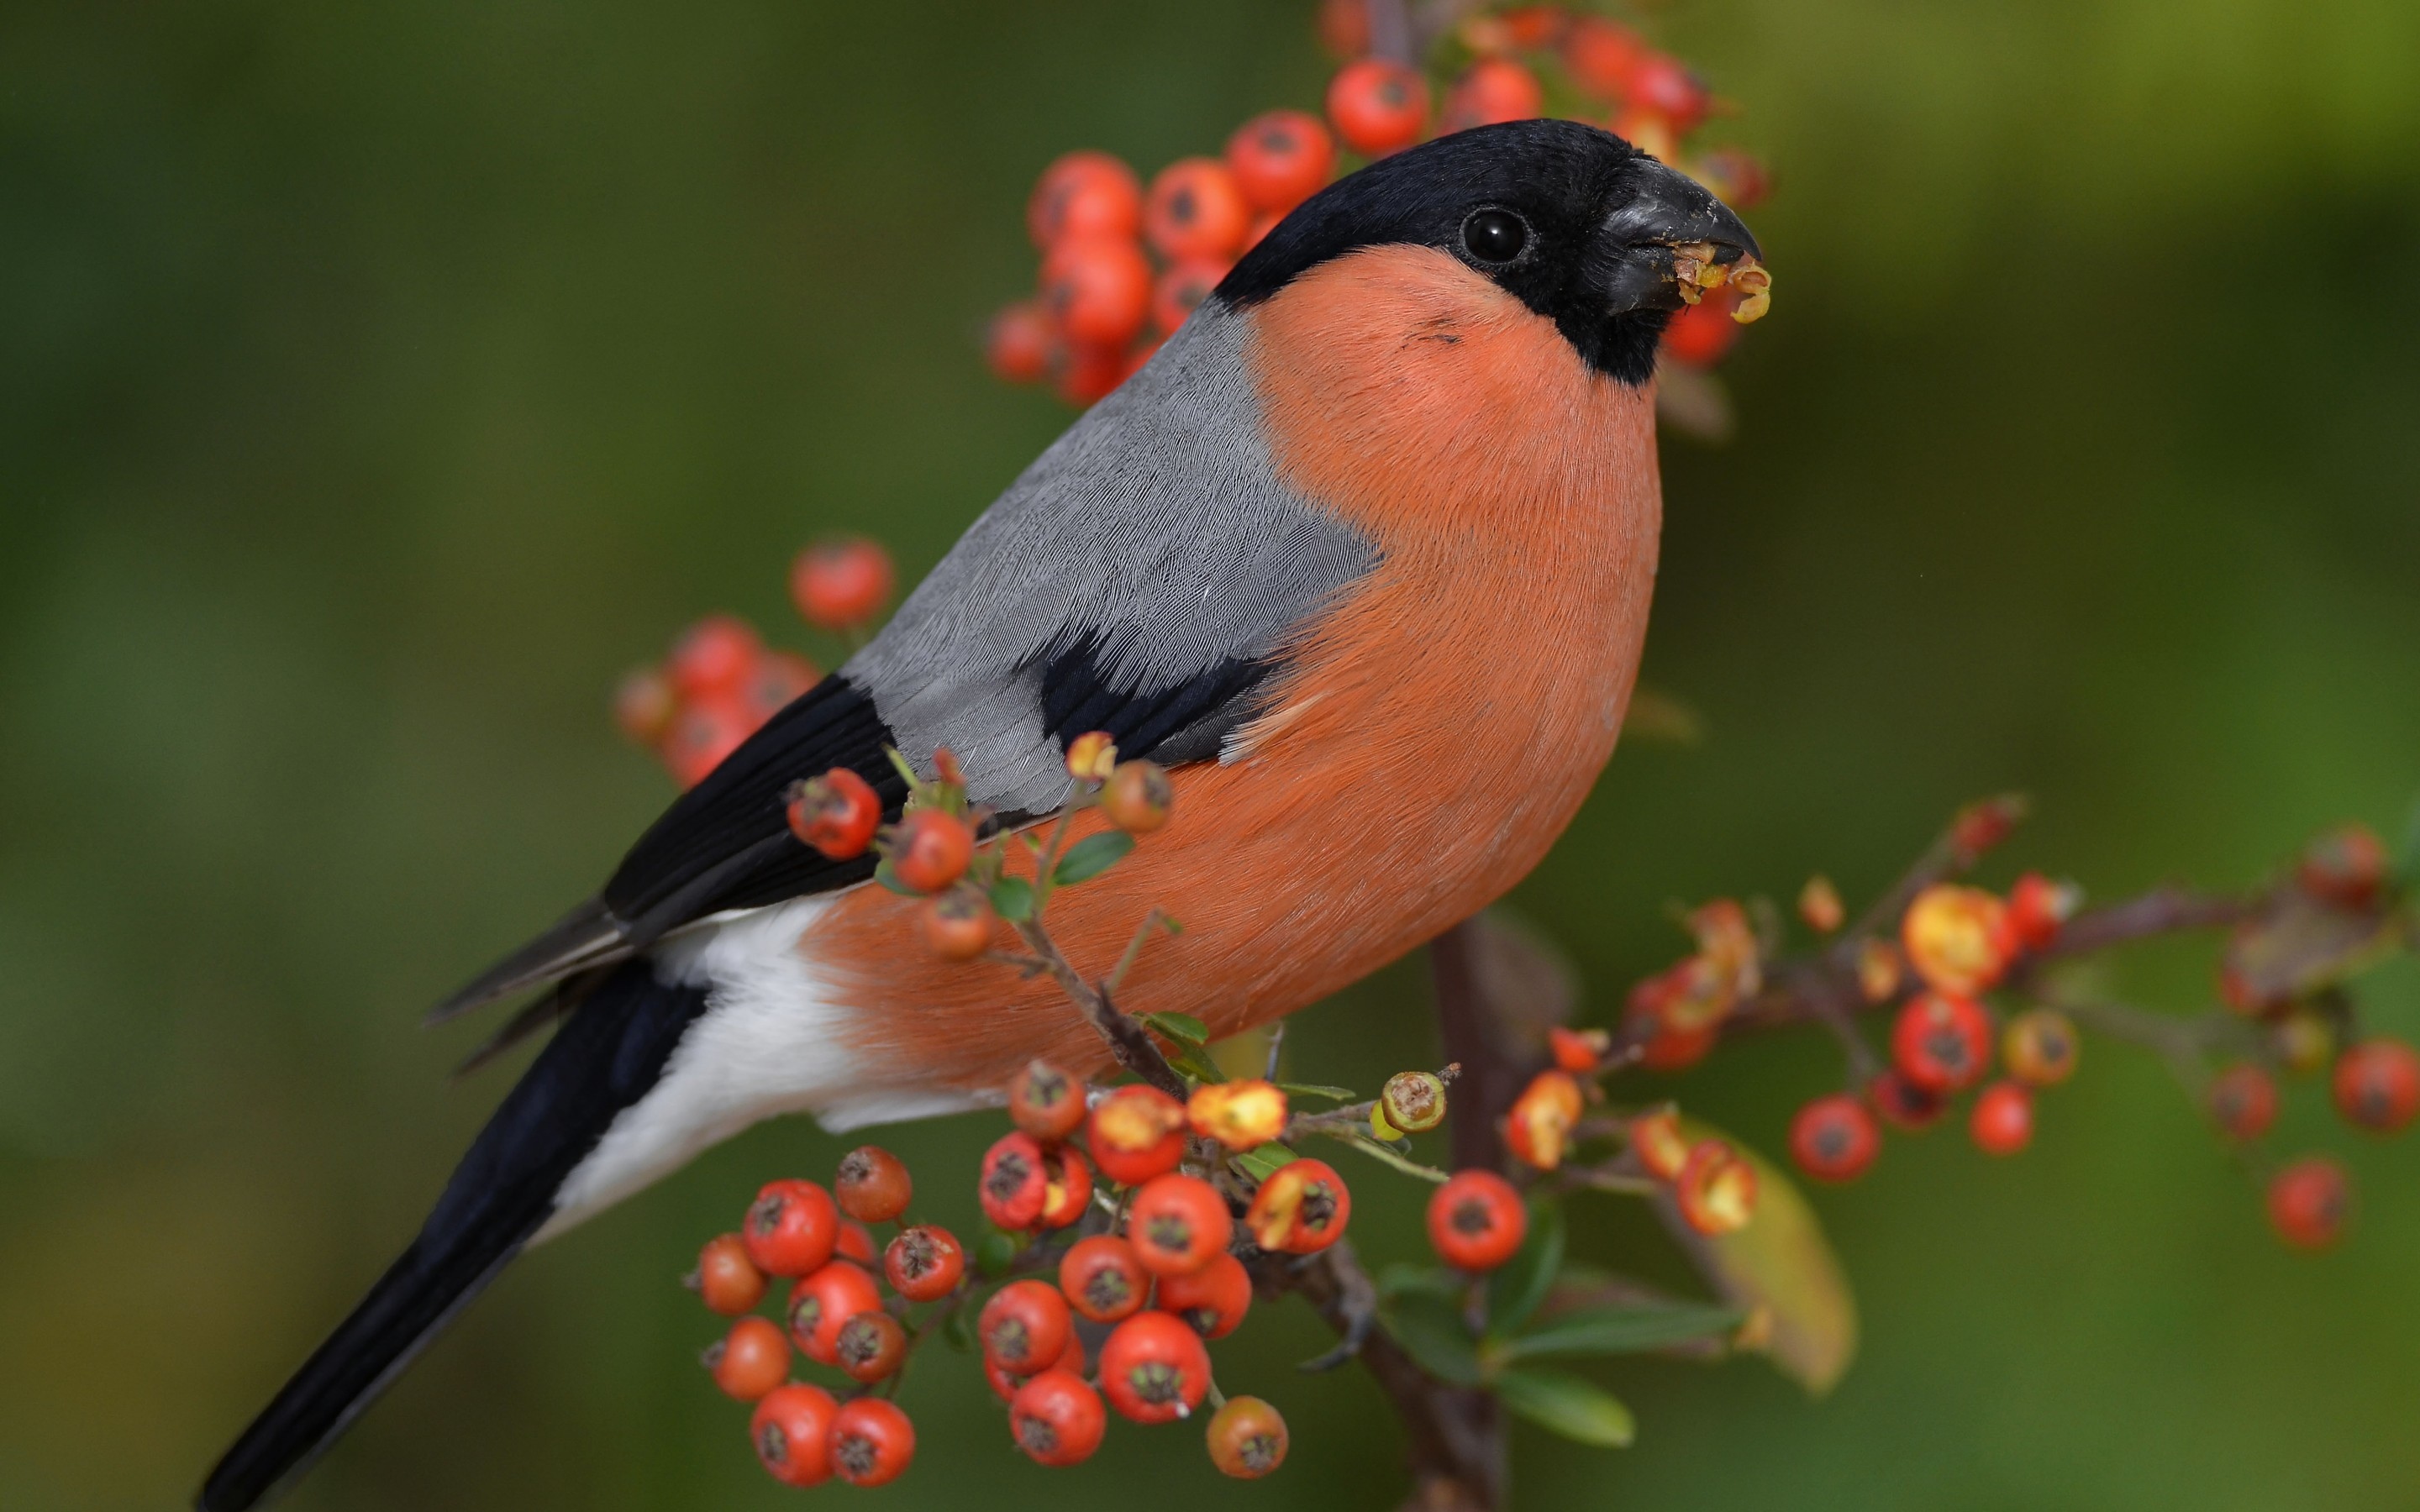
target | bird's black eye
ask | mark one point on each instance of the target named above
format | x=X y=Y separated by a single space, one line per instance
x=1495 y=236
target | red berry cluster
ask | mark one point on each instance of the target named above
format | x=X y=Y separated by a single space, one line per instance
x=1123 y=264
x=721 y=681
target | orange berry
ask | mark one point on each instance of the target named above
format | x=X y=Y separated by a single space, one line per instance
x=872 y=1442
x=644 y=704
x=1578 y=1050
x=703 y=734
x=1539 y=1127
x=1177 y=1223
x=1056 y=1419
x=1247 y=1438
x=790 y=1227
x=1280 y=157
x=835 y=813
x=1834 y=1139
x=1024 y=1327
x=1602 y=56
x=1195 y=209
x=792 y=1430
x=958 y=923
x=840 y=585
x=929 y=849
x=2003 y=1121
x=1490 y=91
x=1066 y=1187
x=1153 y=1368
x=1942 y=1041
x=1377 y=106
x=1084 y=193
x=871 y=1345
x=1013 y=1183
x=1017 y=343
x=923 y=1263
x=1102 y=1279
x=1241 y=1116
x=1135 y=1133
x=1097 y=290
x=1656 y=1139
x=2309 y=1201
x=1302 y=1208
x=2040 y=1048
x=1213 y=1299
x=2377 y=1084
x=1477 y=1220
x=821 y=1303
x=1084 y=373
x=727 y=1278
x=1957 y=939
x=1045 y=1101
x=1136 y=796
x=714 y=655
x=1717 y=1189
x=750 y=1361
x=872 y=1185
x=1091 y=756
x=1185 y=285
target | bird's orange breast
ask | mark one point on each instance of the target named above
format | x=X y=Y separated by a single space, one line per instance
x=1435 y=728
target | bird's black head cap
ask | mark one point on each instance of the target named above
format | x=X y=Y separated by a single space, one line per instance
x=1572 y=221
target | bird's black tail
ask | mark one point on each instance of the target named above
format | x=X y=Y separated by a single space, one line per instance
x=603 y=1060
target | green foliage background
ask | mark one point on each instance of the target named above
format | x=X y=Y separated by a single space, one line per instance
x=376 y=383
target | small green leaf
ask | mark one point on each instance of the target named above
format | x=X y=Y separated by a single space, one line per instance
x=1432 y=1334
x=1264 y=1161
x=1399 y=1277
x=1341 y=1094
x=1573 y=1408
x=1516 y=1289
x=959 y=1331
x=1012 y=899
x=1195 y=1067
x=889 y=879
x=1620 y=1328
x=1091 y=856
x=1182 y=1027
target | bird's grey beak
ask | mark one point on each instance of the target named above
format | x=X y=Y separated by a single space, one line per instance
x=1668 y=240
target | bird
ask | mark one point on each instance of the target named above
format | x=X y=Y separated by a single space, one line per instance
x=1362 y=556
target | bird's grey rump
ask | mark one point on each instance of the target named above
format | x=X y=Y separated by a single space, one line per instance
x=1155 y=532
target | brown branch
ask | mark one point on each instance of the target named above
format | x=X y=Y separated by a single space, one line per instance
x=1130 y=1044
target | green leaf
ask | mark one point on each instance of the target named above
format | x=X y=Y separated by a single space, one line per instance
x=1379 y=1152
x=1399 y=1277
x=1341 y=1094
x=1264 y=1161
x=959 y=1331
x=1620 y=1328
x=1182 y=1027
x=1431 y=1332
x=1518 y=1285
x=1573 y=1408
x=889 y=879
x=1782 y=1263
x=1012 y=899
x=1091 y=856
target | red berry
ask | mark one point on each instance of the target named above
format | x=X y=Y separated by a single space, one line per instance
x=1017 y=343
x=1942 y=1041
x=870 y=1346
x=714 y=655
x=1196 y=209
x=2309 y=1202
x=1737 y=178
x=1056 y=1419
x=1024 y=1327
x=1014 y=1184
x=1601 y=56
x=1667 y=1049
x=2378 y=1085
x=704 y=733
x=2003 y=1121
x=1984 y=824
x=1183 y=286
x=1664 y=86
x=1345 y=27
x=1491 y=91
x=855 y=1243
x=958 y=923
x=2344 y=866
x=872 y=1442
x=750 y=1359
x=644 y=704
x=928 y=849
x=924 y=1262
x=2036 y=907
x=1701 y=334
x=1097 y=290
x=1902 y=1104
x=1657 y=1140
x=1538 y=1130
x=872 y=1185
x=1083 y=372
x=821 y=1303
x=1578 y=1050
x=1717 y=1190
x=1066 y=1187
x=1213 y=1299
x=1301 y=1207
x=792 y=1431
x=1045 y=1101
x=840 y=585
x=776 y=683
x=1084 y=193
x=790 y=1227
x=1834 y=1139
x=1247 y=1438
x=1177 y=1223
x=1377 y=106
x=836 y=813
x=1102 y=1278
x=727 y=1278
x=1154 y=1368
x=2243 y=1100
x=1004 y=1382
x=1477 y=1220
x=1135 y=1133
x=1280 y=157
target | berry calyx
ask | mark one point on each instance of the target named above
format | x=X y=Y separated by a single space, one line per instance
x=1378 y=106
x=1024 y=1327
x=1942 y=1041
x=726 y=1279
x=923 y=1263
x=2003 y=1121
x=840 y=585
x=872 y=1442
x=790 y=1227
x=1477 y=1220
x=749 y=1360
x=1247 y=1438
x=1716 y=1189
x=1056 y=1419
x=1302 y=1208
x=1102 y=1278
x=1213 y=1299
x=821 y=1303
x=872 y=1184
x=2309 y=1201
x=1135 y=1133
x=1137 y=796
x=2040 y=1046
x=928 y=850
x=835 y=813
x=1045 y=1101
x=1241 y=1116
x=792 y=1431
x=1154 y=1368
x=2243 y=1101
x=871 y=1345
x=1177 y=1222
x=1834 y=1139
x=2377 y=1084
x=1014 y=1186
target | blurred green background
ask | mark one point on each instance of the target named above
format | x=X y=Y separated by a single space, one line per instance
x=377 y=382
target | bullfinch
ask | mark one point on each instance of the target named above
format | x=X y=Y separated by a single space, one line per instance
x=1363 y=555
